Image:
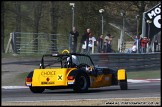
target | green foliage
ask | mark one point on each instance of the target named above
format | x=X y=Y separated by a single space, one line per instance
x=86 y=16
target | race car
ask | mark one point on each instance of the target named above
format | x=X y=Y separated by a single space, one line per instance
x=75 y=71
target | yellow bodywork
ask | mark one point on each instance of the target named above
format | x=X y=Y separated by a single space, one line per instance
x=58 y=77
x=121 y=74
x=51 y=77
x=100 y=80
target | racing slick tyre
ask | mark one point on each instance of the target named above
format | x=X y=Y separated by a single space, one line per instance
x=82 y=83
x=123 y=84
x=36 y=89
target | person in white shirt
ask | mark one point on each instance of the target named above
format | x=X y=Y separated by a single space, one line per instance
x=91 y=43
x=134 y=48
x=107 y=43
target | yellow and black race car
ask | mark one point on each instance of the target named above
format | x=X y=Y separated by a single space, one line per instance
x=75 y=71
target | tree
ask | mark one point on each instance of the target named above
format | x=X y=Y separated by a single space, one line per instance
x=2 y=27
x=54 y=22
x=18 y=25
x=141 y=7
x=37 y=16
x=55 y=17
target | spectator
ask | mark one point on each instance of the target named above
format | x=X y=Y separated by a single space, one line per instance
x=137 y=43
x=140 y=49
x=144 y=42
x=155 y=46
x=85 y=40
x=134 y=48
x=107 y=43
x=91 y=43
x=73 y=39
x=100 y=44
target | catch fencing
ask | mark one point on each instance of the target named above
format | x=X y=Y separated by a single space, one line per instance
x=37 y=43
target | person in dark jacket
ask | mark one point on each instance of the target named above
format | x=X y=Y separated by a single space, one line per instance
x=73 y=39
x=85 y=40
x=100 y=44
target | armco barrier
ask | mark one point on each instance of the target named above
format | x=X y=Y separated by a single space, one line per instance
x=128 y=61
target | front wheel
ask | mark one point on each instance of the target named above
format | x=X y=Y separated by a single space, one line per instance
x=36 y=89
x=81 y=83
x=123 y=84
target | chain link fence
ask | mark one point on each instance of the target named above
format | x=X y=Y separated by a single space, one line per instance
x=37 y=43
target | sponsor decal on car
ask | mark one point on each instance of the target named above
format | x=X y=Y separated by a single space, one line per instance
x=48 y=73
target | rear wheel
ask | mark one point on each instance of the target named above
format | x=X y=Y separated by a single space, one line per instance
x=81 y=83
x=36 y=89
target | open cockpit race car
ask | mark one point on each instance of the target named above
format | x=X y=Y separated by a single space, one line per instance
x=75 y=71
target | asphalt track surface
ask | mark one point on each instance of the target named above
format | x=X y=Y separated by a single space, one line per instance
x=136 y=90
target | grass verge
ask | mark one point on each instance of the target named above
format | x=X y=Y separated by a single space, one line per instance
x=144 y=74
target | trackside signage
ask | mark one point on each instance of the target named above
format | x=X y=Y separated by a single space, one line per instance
x=155 y=16
x=153 y=20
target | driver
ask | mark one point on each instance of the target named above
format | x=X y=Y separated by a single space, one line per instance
x=74 y=61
